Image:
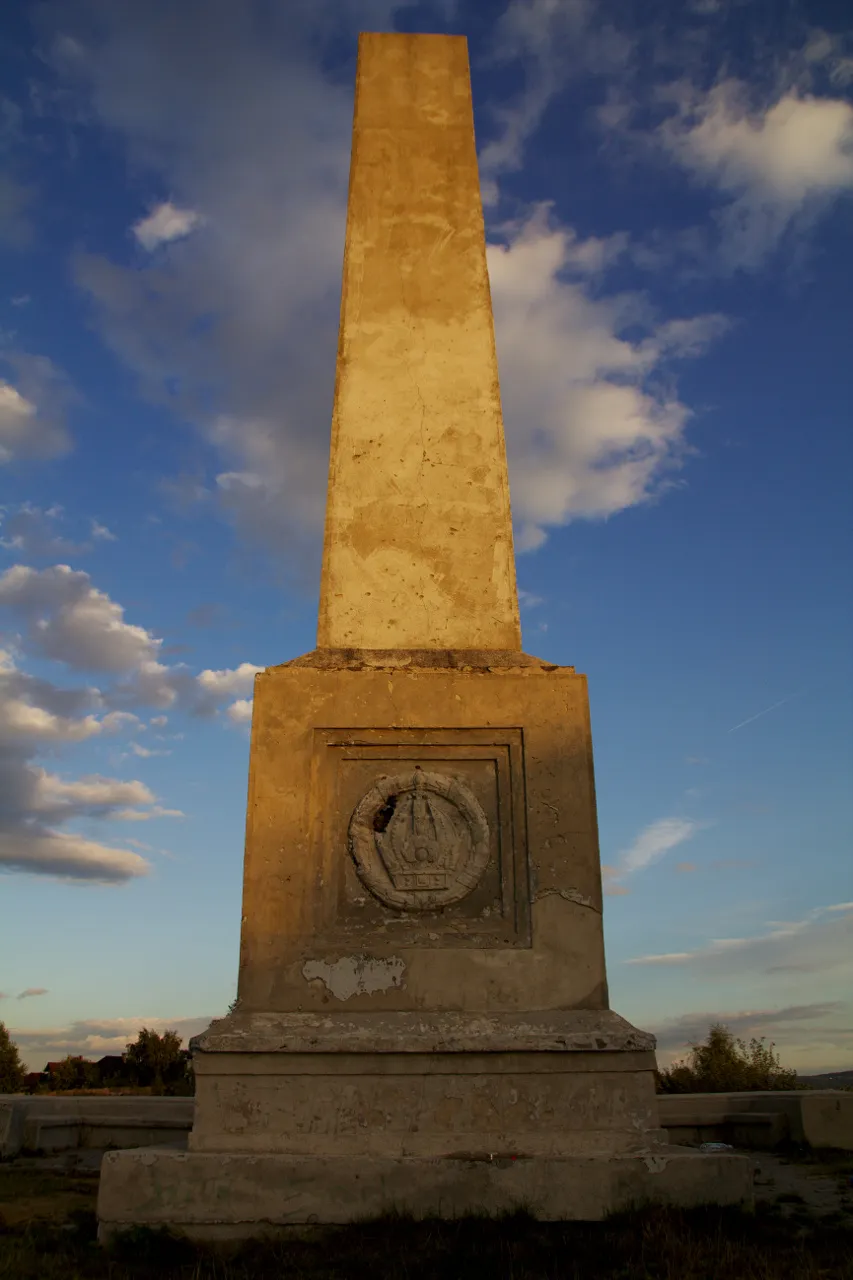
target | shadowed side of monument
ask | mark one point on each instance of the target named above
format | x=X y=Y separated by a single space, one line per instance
x=423 y=1018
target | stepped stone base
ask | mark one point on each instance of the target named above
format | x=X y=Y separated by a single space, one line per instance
x=212 y=1195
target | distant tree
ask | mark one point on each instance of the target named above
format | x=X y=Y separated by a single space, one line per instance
x=159 y=1061
x=74 y=1072
x=11 y=1068
x=726 y=1065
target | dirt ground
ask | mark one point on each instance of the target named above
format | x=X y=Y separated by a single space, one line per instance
x=819 y=1185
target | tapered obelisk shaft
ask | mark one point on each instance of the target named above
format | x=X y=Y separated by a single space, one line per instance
x=418 y=541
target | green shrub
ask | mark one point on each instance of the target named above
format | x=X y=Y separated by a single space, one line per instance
x=11 y=1068
x=726 y=1065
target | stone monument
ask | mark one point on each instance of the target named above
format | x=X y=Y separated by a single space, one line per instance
x=423 y=1016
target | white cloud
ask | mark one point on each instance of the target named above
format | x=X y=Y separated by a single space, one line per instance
x=32 y=411
x=73 y=622
x=226 y=683
x=144 y=815
x=588 y=434
x=656 y=840
x=820 y=942
x=69 y=620
x=777 y=165
x=653 y=842
x=68 y=857
x=165 y=223
x=101 y=533
x=240 y=711
x=56 y=799
x=34 y=715
x=252 y=306
x=263 y=148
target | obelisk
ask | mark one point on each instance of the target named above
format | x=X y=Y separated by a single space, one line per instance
x=418 y=547
x=423 y=1017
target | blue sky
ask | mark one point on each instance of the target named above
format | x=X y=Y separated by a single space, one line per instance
x=667 y=191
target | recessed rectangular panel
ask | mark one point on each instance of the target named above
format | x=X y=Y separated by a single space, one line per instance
x=421 y=836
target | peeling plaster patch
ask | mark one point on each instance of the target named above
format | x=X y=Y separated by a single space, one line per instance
x=570 y=895
x=356 y=975
x=655 y=1164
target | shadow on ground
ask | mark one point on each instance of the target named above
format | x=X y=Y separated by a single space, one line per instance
x=802 y=1230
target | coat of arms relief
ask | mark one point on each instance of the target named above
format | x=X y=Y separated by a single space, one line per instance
x=419 y=840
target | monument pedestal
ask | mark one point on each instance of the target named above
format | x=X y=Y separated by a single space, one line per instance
x=303 y=1119
x=399 y=1042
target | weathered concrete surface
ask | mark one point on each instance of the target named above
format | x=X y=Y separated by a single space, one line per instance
x=820 y=1118
x=574 y=1032
x=212 y=1194
x=529 y=937
x=418 y=545
x=565 y=1082
x=34 y=1122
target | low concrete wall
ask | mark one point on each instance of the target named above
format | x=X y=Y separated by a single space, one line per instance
x=32 y=1122
x=821 y=1118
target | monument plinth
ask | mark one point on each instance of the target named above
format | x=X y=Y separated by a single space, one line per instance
x=423 y=1016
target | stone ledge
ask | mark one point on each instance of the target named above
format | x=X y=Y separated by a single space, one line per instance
x=236 y=1195
x=421 y=659
x=562 y=1031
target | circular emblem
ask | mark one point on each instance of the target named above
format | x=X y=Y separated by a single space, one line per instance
x=419 y=840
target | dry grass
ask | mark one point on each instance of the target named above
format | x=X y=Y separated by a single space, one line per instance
x=51 y=1228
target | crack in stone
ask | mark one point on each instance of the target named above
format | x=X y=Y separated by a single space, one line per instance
x=570 y=895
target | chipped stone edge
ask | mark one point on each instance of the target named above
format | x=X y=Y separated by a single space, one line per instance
x=562 y=1031
x=422 y=660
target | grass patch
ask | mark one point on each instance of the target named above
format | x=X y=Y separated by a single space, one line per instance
x=653 y=1243
x=28 y=1195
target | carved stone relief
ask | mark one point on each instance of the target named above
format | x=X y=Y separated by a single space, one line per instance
x=419 y=840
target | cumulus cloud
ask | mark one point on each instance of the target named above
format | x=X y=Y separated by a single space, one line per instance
x=35 y=803
x=240 y=711
x=69 y=620
x=592 y=424
x=777 y=165
x=165 y=223
x=32 y=410
x=250 y=308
